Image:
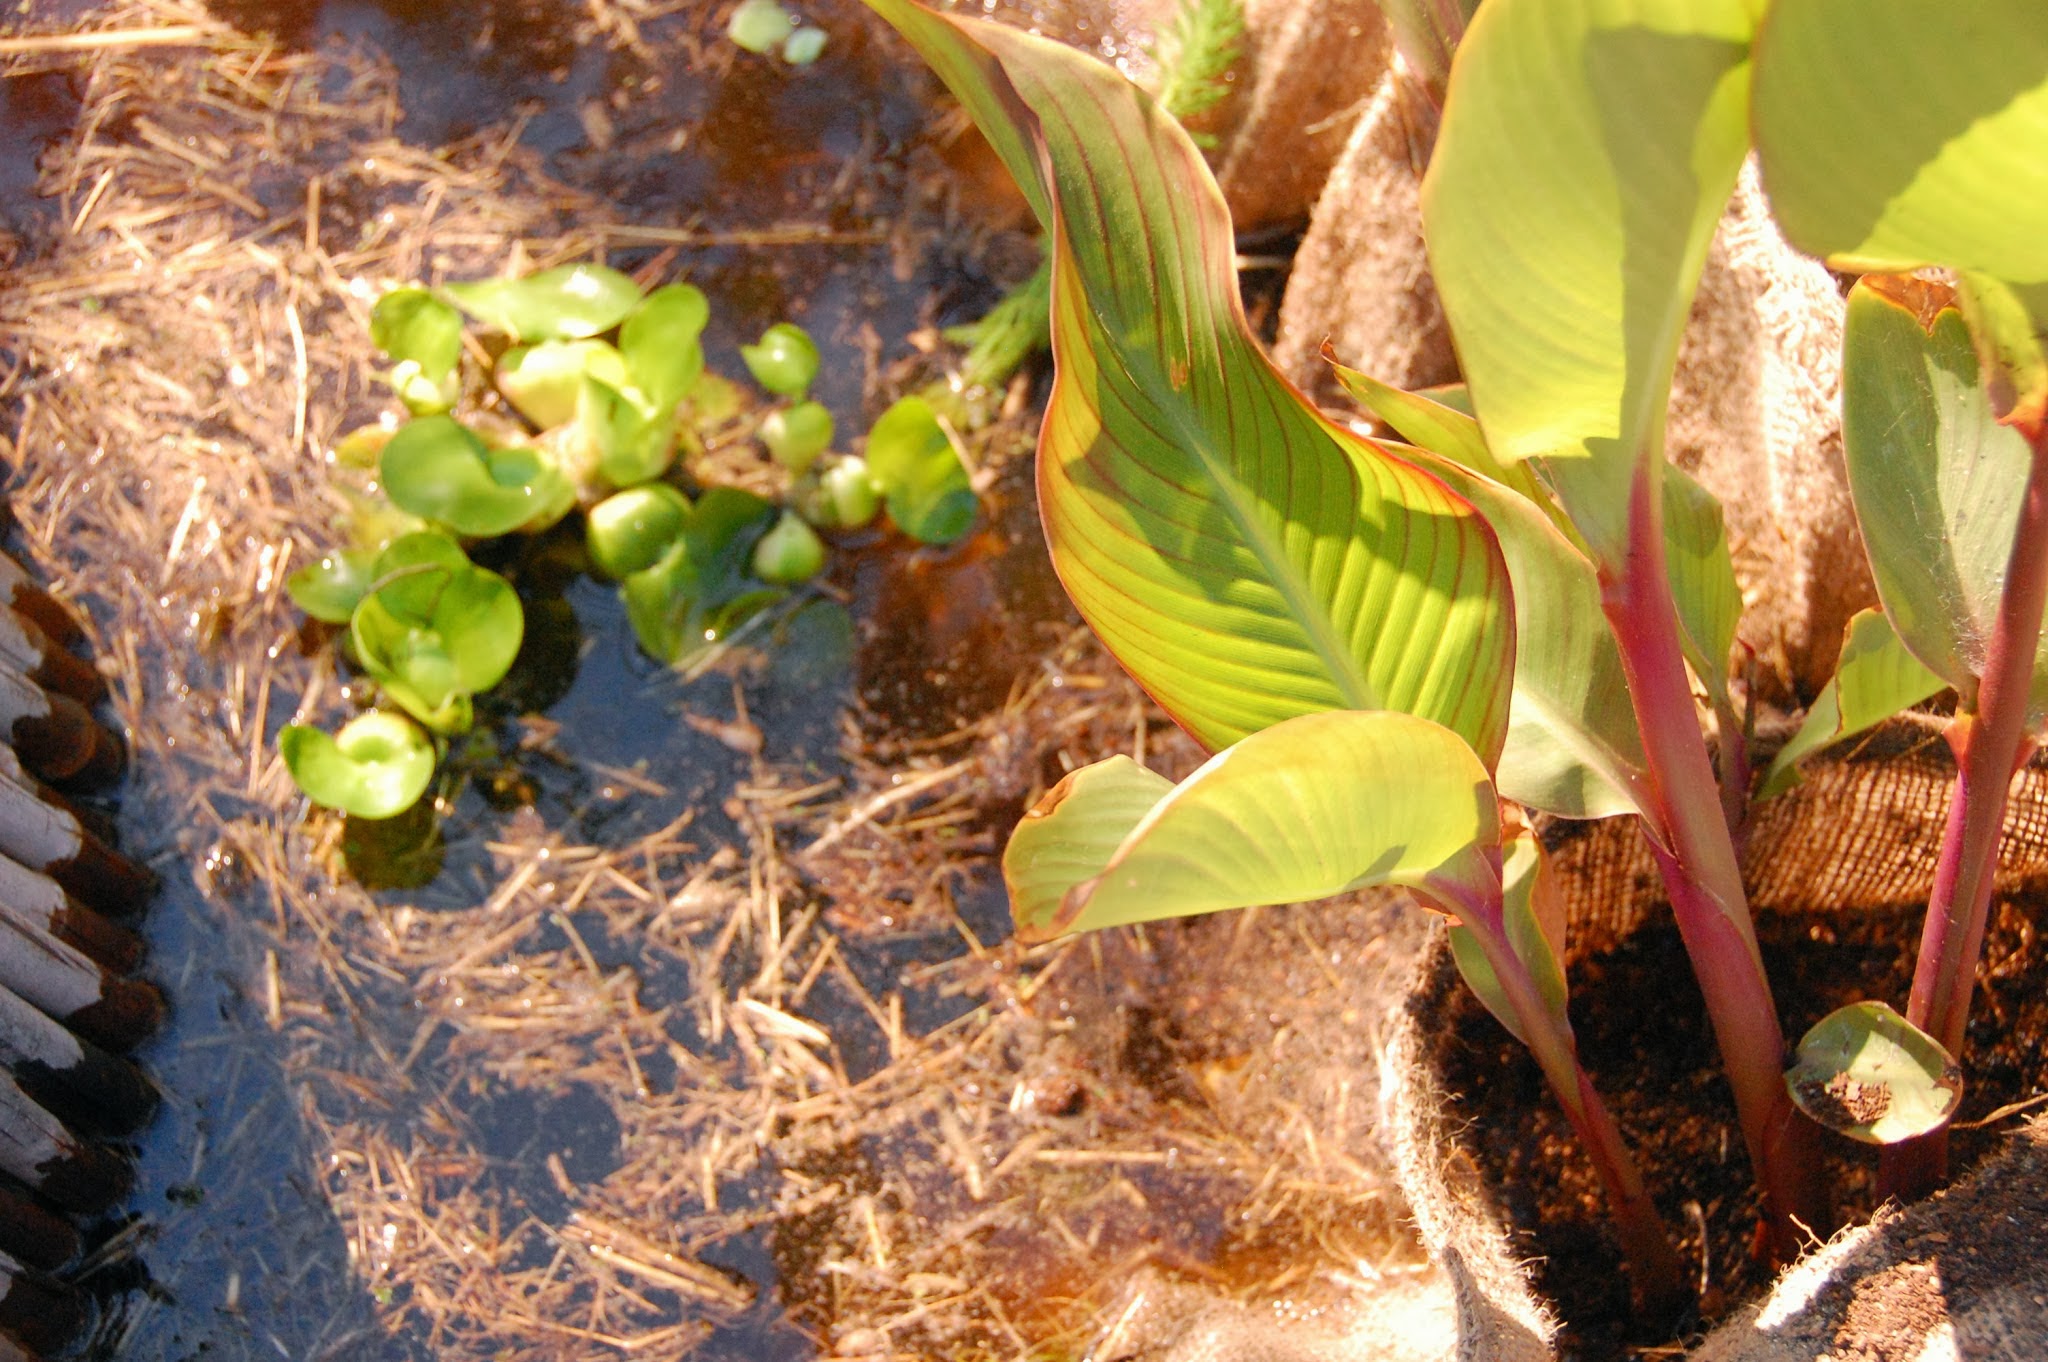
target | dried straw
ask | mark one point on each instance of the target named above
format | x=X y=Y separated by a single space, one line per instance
x=960 y=1154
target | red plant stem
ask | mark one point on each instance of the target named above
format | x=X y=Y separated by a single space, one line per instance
x=1990 y=742
x=1689 y=835
x=1657 y=1278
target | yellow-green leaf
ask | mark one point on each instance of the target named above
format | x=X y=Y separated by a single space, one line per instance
x=1876 y=678
x=1244 y=558
x=1309 y=807
x=1900 y=133
x=1585 y=154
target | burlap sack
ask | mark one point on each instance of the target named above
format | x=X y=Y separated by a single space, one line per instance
x=1859 y=834
x=1958 y=1277
x=1306 y=69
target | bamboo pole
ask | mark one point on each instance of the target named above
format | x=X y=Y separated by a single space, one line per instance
x=35 y=1236
x=55 y=737
x=46 y=837
x=70 y=987
x=24 y=643
x=41 y=903
x=39 y=1312
x=71 y=1077
x=37 y=1151
x=20 y=591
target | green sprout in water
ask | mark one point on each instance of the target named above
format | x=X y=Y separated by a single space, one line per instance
x=603 y=386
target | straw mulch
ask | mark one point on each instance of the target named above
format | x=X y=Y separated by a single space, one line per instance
x=752 y=1084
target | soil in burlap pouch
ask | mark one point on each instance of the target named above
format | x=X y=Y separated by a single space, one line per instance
x=1838 y=872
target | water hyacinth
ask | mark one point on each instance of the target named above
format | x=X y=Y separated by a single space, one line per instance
x=790 y=554
x=759 y=26
x=797 y=435
x=784 y=361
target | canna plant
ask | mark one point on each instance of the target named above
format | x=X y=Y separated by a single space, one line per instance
x=1395 y=650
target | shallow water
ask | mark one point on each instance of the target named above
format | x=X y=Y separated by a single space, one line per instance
x=228 y=1247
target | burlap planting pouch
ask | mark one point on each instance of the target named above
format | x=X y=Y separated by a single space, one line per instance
x=1838 y=871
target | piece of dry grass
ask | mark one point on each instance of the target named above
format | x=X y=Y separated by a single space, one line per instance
x=961 y=1154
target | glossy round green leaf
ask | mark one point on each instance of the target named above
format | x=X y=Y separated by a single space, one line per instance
x=1898 y=133
x=804 y=46
x=423 y=337
x=912 y=460
x=568 y=302
x=797 y=435
x=1245 y=559
x=1585 y=154
x=630 y=441
x=703 y=586
x=436 y=630
x=437 y=468
x=784 y=360
x=844 y=496
x=1935 y=477
x=758 y=25
x=1866 y=1072
x=329 y=589
x=629 y=531
x=413 y=571
x=543 y=381
x=1876 y=678
x=411 y=323
x=662 y=346
x=1312 y=806
x=376 y=767
x=790 y=554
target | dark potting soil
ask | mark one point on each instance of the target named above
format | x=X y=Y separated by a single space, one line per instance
x=1643 y=1035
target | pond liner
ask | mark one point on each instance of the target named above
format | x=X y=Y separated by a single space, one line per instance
x=23 y=642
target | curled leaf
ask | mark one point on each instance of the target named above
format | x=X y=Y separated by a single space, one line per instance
x=1306 y=808
x=437 y=468
x=543 y=381
x=1868 y=1073
x=784 y=361
x=568 y=302
x=913 y=461
x=377 y=766
x=628 y=531
x=702 y=586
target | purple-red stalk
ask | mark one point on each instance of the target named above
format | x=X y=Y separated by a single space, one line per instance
x=1990 y=740
x=1657 y=1279
x=1690 y=837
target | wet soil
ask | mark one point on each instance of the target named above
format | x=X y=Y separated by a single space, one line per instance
x=1644 y=1037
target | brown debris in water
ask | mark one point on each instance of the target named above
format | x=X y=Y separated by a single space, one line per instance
x=180 y=353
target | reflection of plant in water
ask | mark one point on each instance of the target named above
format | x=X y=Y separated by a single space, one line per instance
x=599 y=391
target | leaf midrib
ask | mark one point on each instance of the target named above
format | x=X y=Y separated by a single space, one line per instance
x=1237 y=501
